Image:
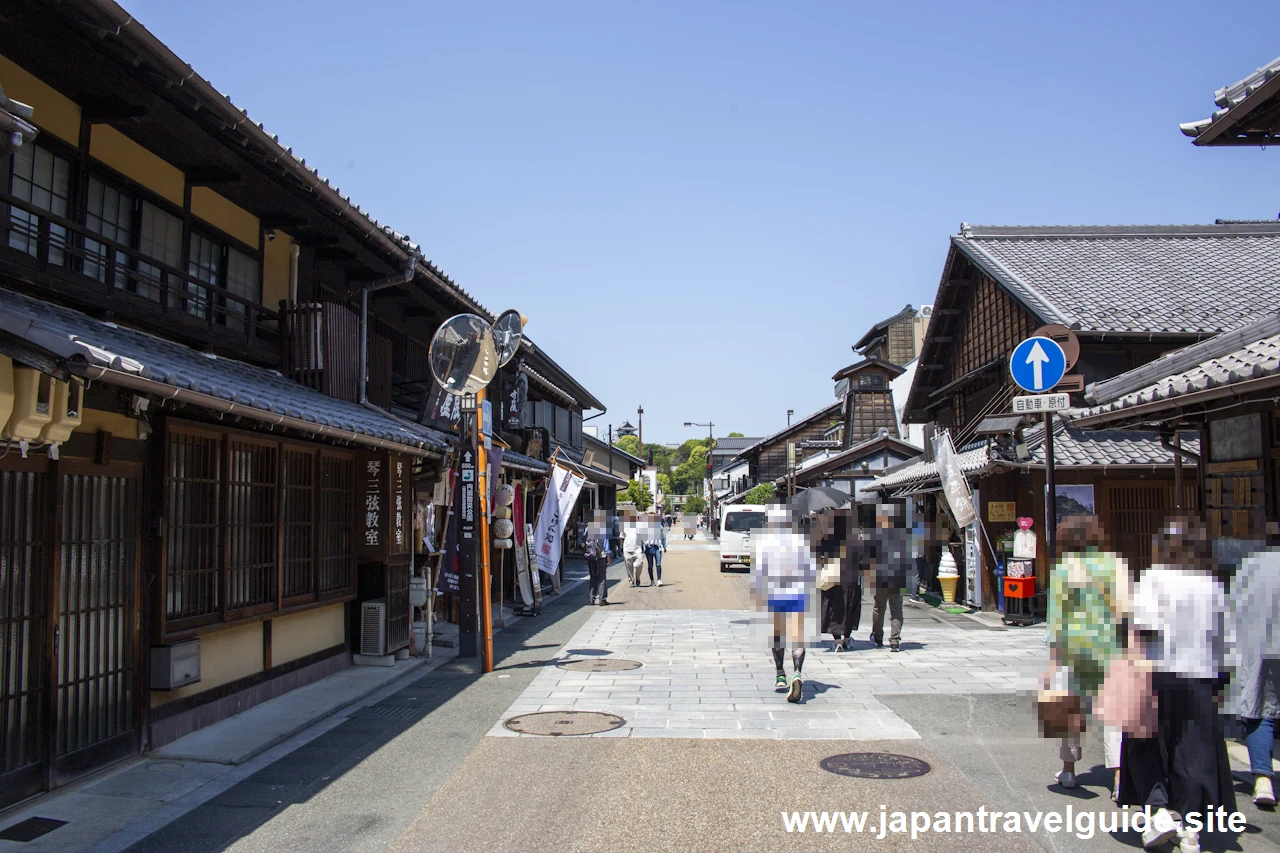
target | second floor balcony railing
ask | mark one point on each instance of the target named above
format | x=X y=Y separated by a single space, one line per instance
x=89 y=269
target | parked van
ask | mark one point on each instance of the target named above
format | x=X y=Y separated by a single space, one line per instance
x=737 y=525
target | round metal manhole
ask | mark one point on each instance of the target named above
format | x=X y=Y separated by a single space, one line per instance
x=558 y=723
x=875 y=765
x=601 y=665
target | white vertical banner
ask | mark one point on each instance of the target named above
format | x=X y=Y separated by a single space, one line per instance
x=954 y=485
x=556 y=506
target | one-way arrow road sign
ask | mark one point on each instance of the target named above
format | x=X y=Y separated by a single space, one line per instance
x=1037 y=364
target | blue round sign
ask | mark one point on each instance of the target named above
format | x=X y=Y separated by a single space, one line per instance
x=1037 y=364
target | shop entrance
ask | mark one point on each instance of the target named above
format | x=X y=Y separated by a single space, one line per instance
x=69 y=633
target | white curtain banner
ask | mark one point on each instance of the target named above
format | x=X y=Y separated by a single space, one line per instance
x=556 y=506
x=954 y=485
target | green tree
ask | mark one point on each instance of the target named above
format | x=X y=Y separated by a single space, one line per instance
x=664 y=483
x=636 y=493
x=736 y=435
x=761 y=494
x=696 y=503
x=687 y=478
x=629 y=444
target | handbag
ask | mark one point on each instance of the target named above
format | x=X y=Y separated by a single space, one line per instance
x=1126 y=700
x=829 y=573
x=1060 y=712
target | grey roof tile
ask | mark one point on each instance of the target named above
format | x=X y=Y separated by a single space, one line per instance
x=77 y=337
x=1251 y=352
x=1161 y=278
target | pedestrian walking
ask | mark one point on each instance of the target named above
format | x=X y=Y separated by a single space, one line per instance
x=841 y=557
x=655 y=546
x=1179 y=615
x=633 y=539
x=1089 y=601
x=1254 y=650
x=595 y=550
x=887 y=574
x=783 y=573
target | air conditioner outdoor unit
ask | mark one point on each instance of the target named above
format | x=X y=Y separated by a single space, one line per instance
x=373 y=627
x=926 y=311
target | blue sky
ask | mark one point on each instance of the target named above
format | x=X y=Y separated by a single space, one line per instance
x=700 y=206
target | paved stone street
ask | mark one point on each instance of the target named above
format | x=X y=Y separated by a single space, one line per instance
x=707 y=674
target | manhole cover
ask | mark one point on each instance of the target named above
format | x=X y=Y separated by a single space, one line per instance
x=601 y=665
x=555 y=723
x=875 y=765
x=30 y=829
x=384 y=712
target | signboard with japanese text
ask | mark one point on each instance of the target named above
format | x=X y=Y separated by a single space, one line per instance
x=1002 y=510
x=515 y=393
x=443 y=410
x=1040 y=403
x=954 y=486
x=384 y=504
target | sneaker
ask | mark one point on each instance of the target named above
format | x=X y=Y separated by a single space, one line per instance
x=1065 y=778
x=878 y=641
x=838 y=646
x=659 y=583
x=1188 y=841
x=797 y=686
x=1263 y=793
x=1160 y=829
x=780 y=683
x=893 y=646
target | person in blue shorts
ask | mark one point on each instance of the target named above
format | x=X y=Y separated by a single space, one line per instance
x=783 y=574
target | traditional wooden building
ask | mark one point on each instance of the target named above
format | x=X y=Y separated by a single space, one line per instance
x=1129 y=293
x=215 y=402
x=767 y=458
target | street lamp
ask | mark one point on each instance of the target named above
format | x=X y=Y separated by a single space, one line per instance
x=790 y=412
x=711 y=488
x=640 y=421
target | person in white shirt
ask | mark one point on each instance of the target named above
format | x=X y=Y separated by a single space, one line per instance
x=783 y=573
x=1179 y=622
x=633 y=538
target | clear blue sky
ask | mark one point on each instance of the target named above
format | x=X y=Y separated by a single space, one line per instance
x=666 y=188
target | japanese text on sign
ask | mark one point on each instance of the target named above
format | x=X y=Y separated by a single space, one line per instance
x=373 y=503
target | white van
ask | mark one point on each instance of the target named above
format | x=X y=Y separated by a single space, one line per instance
x=737 y=525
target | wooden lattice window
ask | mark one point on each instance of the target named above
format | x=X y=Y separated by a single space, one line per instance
x=194 y=541
x=994 y=324
x=254 y=526
x=251 y=522
x=337 y=516
x=299 y=521
x=23 y=540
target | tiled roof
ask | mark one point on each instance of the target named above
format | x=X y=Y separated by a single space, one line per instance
x=596 y=475
x=519 y=462
x=1072 y=448
x=825 y=411
x=734 y=444
x=921 y=472
x=1197 y=279
x=1078 y=448
x=1237 y=104
x=82 y=340
x=1250 y=352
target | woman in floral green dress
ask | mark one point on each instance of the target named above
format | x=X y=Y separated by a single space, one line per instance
x=1089 y=599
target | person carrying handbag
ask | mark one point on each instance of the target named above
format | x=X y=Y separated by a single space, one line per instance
x=1088 y=601
x=838 y=548
x=1179 y=620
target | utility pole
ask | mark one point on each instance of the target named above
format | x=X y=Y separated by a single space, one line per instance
x=1050 y=498
x=640 y=419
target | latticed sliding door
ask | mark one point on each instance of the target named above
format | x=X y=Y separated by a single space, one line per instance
x=1133 y=513
x=24 y=537
x=96 y=637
